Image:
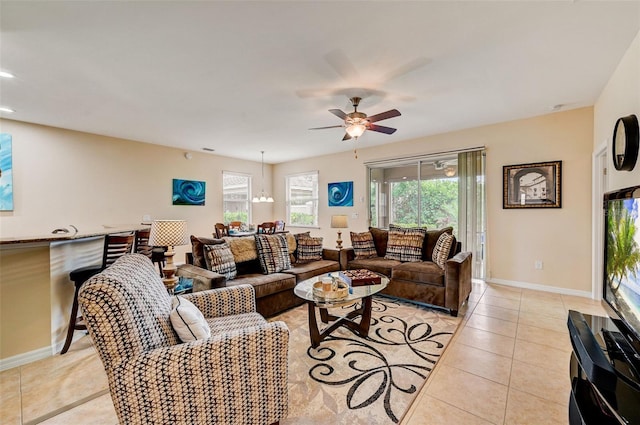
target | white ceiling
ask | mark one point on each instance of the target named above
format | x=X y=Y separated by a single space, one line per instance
x=241 y=77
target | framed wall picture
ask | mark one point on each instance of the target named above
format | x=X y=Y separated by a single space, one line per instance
x=6 y=173
x=341 y=194
x=536 y=185
x=188 y=192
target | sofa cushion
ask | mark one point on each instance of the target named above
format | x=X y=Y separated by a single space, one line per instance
x=243 y=248
x=309 y=249
x=273 y=253
x=266 y=284
x=442 y=249
x=363 y=245
x=188 y=322
x=380 y=238
x=426 y=272
x=430 y=241
x=197 y=249
x=405 y=244
x=304 y=271
x=375 y=264
x=220 y=260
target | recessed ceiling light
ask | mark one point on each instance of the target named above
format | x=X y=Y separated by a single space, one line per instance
x=3 y=109
x=5 y=74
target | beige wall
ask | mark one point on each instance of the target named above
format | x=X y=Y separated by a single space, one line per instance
x=65 y=177
x=516 y=238
x=620 y=97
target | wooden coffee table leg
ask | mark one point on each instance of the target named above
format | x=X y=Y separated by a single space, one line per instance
x=365 y=321
x=314 y=332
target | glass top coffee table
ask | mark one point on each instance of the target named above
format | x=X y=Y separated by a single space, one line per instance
x=304 y=290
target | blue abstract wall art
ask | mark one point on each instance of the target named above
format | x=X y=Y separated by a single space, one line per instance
x=6 y=173
x=188 y=192
x=341 y=194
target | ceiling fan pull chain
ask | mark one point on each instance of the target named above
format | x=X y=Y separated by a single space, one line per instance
x=355 y=148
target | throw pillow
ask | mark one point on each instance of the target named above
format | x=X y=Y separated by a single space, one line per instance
x=309 y=249
x=405 y=244
x=220 y=259
x=442 y=248
x=273 y=253
x=197 y=249
x=363 y=245
x=430 y=241
x=380 y=239
x=243 y=248
x=188 y=321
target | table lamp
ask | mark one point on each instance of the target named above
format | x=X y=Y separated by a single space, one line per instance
x=169 y=233
x=339 y=222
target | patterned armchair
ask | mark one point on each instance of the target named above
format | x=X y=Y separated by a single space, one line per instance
x=238 y=376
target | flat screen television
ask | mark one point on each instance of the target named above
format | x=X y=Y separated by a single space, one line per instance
x=622 y=261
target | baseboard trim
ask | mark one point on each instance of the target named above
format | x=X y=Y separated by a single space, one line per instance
x=538 y=287
x=24 y=358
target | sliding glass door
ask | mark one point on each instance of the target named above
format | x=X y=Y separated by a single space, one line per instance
x=433 y=191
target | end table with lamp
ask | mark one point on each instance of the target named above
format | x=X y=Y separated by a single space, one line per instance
x=169 y=233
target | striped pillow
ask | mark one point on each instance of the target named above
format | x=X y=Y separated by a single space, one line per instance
x=442 y=249
x=273 y=253
x=309 y=249
x=405 y=244
x=363 y=245
x=219 y=259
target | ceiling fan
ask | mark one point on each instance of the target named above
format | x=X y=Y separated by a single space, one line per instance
x=356 y=122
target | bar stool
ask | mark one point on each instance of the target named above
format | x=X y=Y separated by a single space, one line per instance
x=155 y=253
x=115 y=246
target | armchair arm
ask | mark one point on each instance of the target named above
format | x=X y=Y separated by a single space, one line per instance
x=203 y=279
x=457 y=279
x=207 y=381
x=225 y=301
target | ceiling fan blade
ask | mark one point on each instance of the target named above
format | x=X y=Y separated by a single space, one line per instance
x=338 y=113
x=330 y=126
x=346 y=137
x=384 y=115
x=381 y=129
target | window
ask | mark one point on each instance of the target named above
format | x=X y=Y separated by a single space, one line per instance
x=433 y=191
x=236 y=190
x=302 y=199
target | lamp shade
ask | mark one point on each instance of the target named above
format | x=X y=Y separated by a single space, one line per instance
x=168 y=233
x=339 y=222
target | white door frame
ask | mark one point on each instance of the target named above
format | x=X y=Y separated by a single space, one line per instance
x=598 y=188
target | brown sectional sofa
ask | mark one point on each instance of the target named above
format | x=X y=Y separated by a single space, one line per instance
x=423 y=281
x=274 y=291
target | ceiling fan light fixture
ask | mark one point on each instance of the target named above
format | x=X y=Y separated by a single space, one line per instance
x=356 y=130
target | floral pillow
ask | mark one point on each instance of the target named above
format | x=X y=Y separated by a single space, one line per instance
x=363 y=245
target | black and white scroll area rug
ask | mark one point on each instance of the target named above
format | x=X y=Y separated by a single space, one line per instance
x=353 y=380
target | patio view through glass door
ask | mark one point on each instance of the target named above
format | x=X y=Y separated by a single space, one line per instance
x=433 y=191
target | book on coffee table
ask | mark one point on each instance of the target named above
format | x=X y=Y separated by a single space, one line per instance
x=360 y=277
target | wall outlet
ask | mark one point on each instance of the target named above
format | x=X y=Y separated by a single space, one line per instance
x=146 y=218
x=538 y=264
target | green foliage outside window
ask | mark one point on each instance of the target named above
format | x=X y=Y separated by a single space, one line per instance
x=301 y=219
x=439 y=203
x=235 y=216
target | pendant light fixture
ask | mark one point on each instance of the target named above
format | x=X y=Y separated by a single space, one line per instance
x=262 y=198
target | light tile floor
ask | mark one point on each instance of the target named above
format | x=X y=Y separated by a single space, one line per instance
x=507 y=364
